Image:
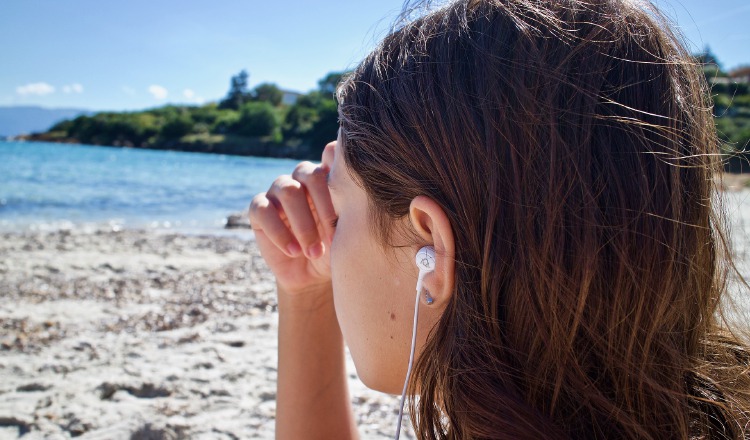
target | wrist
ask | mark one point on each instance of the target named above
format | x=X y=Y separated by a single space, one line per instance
x=309 y=299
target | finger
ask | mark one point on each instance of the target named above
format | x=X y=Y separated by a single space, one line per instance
x=314 y=178
x=291 y=197
x=329 y=153
x=266 y=218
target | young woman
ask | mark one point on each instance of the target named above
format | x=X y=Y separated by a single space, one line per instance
x=558 y=155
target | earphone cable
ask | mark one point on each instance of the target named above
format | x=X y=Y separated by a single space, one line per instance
x=411 y=359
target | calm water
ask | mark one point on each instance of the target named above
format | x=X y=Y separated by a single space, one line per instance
x=52 y=185
x=46 y=185
x=49 y=186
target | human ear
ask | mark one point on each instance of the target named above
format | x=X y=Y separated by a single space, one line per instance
x=434 y=229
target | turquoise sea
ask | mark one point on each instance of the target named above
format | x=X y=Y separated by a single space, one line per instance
x=48 y=186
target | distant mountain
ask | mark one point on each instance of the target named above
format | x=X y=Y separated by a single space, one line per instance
x=18 y=120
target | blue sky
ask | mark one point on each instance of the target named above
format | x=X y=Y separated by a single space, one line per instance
x=133 y=54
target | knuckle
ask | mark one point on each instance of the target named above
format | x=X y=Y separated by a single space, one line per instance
x=328 y=153
x=288 y=190
x=281 y=180
x=257 y=203
x=258 y=199
x=319 y=174
x=285 y=187
x=303 y=170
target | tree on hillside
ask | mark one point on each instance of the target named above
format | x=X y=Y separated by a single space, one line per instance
x=268 y=92
x=707 y=57
x=325 y=128
x=302 y=115
x=313 y=119
x=257 y=119
x=238 y=92
x=327 y=85
x=177 y=123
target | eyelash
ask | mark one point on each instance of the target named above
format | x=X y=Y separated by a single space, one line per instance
x=335 y=223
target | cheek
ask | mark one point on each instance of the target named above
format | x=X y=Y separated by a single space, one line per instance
x=354 y=280
x=368 y=291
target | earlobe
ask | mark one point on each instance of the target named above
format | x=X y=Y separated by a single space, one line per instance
x=431 y=223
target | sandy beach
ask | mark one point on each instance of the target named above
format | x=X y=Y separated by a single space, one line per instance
x=110 y=333
x=135 y=334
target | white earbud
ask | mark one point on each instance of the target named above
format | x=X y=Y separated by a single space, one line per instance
x=425 y=260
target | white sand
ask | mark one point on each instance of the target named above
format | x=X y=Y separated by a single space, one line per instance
x=151 y=335
x=144 y=335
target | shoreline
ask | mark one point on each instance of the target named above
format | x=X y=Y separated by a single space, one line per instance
x=213 y=143
x=158 y=334
x=234 y=225
x=245 y=234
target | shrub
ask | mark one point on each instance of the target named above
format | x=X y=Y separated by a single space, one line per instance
x=257 y=119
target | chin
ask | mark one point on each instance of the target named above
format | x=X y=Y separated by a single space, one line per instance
x=379 y=385
x=375 y=379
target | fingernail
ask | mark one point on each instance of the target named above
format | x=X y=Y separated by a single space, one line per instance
x=294 y=249
x=315 y=251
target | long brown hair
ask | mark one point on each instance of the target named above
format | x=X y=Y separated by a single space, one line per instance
x=572 y=146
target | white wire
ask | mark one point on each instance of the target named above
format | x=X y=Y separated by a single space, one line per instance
x=411 y=356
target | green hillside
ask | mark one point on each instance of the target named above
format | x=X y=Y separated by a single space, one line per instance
x=253 y=122
x=260 y=122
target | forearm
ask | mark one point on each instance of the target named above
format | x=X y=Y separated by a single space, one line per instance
x=312 y=392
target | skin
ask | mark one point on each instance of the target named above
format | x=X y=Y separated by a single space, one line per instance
x=341 y=280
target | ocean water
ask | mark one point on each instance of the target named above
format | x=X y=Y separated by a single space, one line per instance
x=48 y=186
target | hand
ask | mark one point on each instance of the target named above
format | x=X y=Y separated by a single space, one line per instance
x=293 y=224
